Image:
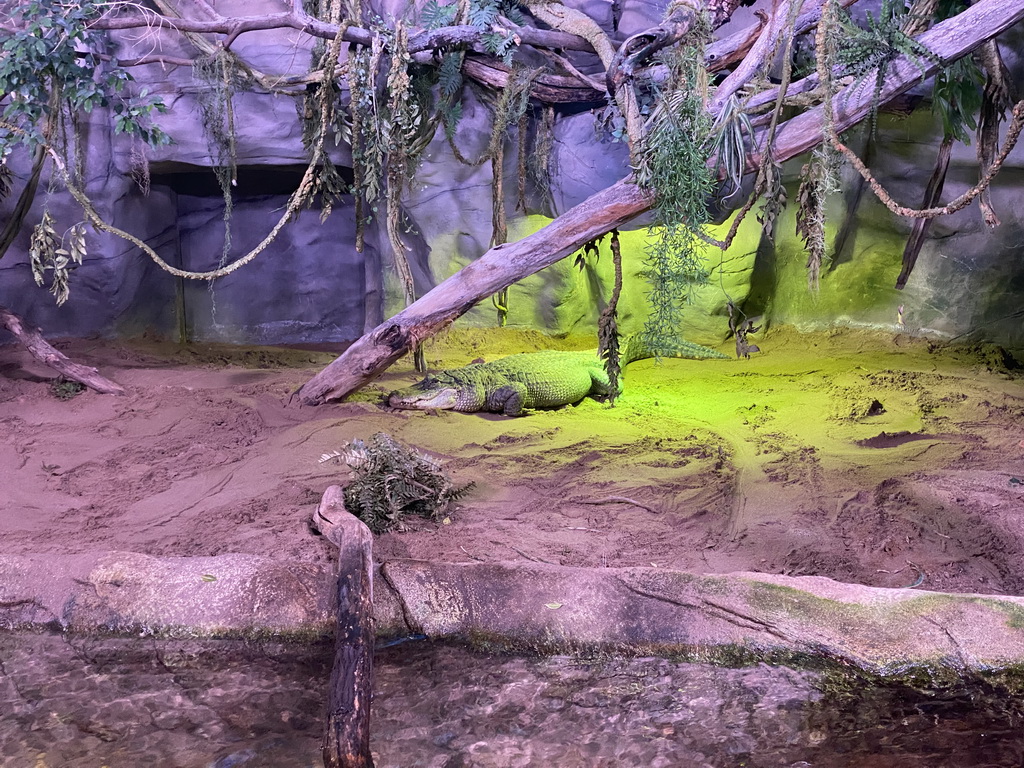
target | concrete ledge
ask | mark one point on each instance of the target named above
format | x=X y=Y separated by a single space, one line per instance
x=657 y=610
x=131 y=593
x=550 y=608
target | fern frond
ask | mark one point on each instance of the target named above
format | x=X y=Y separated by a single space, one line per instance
x=876 y=46
x=435 y=16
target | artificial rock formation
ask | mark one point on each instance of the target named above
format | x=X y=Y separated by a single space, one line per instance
x=314 y=287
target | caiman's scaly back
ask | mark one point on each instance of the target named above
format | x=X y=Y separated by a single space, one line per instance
x=529 y=380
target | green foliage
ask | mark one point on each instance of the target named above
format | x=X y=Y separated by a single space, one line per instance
x=958 y=93
x=500 y=44
x=874 y=48
x=957 y=98
x=729 y=147
x=435 y=16
x=485 y=13
x=390 y=481
x=65 y=389
x=48 y=50
x=449 y=75
x=368 y=143
x=672 y=164
x=327 y=183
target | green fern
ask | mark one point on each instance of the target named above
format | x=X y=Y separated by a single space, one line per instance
x=500 y=44
x=875 y=47
x=449 y=75
x=435 y=15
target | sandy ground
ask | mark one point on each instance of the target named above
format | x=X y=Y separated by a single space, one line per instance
x=867 y=457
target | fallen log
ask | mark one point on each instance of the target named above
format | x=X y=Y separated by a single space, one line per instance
x=45 y=353
x=610 y=208
x=347 y=734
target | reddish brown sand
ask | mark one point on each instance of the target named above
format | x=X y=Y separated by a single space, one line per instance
x=866 y=457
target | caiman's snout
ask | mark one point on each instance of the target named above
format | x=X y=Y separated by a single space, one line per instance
x=415 y=398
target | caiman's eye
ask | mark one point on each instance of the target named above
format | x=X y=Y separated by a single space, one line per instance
x=427 y=383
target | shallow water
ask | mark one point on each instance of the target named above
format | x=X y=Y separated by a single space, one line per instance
x=86 y=703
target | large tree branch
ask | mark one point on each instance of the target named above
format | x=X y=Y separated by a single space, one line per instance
x=42 y=351
x=608 y=209
x=720 y=54
x=950 y=40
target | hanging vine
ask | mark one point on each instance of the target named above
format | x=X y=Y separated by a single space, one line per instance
x=509 y=109
x=816 y=183
x=404 y=119
x=672 y=164
x=607 y=325
x=368 y=147
x=315 y=122
x=218 y=74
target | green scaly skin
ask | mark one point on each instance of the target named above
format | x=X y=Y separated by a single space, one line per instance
x=529 y=380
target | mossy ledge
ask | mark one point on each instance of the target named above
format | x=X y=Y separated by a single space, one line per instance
x=730 y=619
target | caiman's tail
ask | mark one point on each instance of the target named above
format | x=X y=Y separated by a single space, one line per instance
x=632 y=348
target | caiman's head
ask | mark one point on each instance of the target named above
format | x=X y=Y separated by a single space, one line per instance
x=430 y=393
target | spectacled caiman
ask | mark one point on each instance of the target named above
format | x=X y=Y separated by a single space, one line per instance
x=513 y=384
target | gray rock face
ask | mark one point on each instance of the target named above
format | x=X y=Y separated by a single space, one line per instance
x=307 y=286
x=313 y=287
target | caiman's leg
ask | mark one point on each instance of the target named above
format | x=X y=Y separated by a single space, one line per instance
x=600 y=385
x=508 y=399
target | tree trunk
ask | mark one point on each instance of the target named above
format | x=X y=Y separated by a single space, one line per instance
x=25 y=200
x=347 y=735
x=42 y=351
x=502 y=266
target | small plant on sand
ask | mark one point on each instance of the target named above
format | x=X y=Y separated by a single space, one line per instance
x=65 y=389
x=390 y=481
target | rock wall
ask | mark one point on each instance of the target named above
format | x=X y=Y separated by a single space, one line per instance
x=313 y=287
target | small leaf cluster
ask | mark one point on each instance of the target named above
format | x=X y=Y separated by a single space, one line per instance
x=65 y=389
x=47 y=52
x=48 y=252
x=957 y=98
x=485 y=15
x=435 y=15
x=390 y=481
